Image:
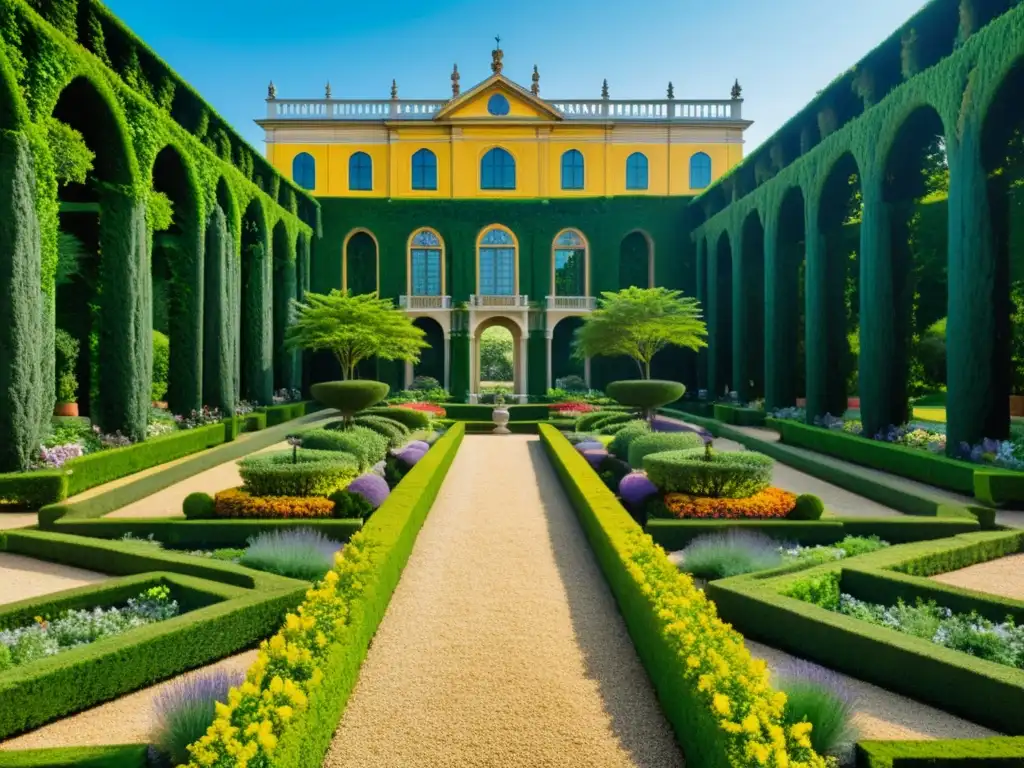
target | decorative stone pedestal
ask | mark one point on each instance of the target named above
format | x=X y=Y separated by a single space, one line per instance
x=500 y=418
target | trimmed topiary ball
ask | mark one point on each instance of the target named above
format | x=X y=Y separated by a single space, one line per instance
x=646 y=394
x=349 y=397
x=371 y=487
x=714 y=474
x=636 y=488
x=657 y=442
x=808 y=507
x=199 y=506
x=624 y=437
x=595 y=456
x=409 y=456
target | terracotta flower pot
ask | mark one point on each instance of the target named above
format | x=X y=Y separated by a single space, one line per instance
x=66 y=409
x=1017 y=405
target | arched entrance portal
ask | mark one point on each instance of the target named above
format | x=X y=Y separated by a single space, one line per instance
x=484 y=368
x=563 y=363
x=431 y=361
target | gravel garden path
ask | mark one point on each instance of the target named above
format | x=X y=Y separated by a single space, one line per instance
x=882 y=715
x=1003 y=576
x=127 y=720
x=24 y=577
x=10 y=520
x=502 y=644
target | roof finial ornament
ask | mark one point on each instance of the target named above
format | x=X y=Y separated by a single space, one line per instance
x=535 y=88
x=327 y=90
x=455 y=80
x=272 y=90
x=671 y=91
x=604 y=89
x=737 y=91
x=394 y=89
x=496 y=56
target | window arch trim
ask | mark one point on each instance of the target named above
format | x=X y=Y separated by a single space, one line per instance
x=359 y=157
x=705 y=170
x=410 y=246
x=428 y=158
x=515 y=253
x=639 y=161
x=308 y=168
x=570 y=155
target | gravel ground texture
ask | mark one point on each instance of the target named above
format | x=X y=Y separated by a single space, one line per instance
x=24 y=577
x=885 y=716
x=1003 y=576
x=10 y=520
x=127 y=720
x=502 y=645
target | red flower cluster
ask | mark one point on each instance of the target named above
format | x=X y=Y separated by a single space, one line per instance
x=575 y=407
x=434 y=410
x=769 y=503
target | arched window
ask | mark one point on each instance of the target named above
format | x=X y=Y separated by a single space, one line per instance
x=636 y=171
x=360 y=172
x=426 y=263
x=570 y=264
x=497 y=170
x=304 y=170
x=424 y=169
x=700 y=171
x=572 y=169
x=496 y=262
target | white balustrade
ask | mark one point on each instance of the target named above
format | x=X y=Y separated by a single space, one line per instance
x=572 y=303
x=425 y=302
x=478 y=301
x=572 y=109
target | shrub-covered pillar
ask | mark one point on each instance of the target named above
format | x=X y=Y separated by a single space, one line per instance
x=877 y=343
x=26 y=399
x=286 y=361
x=740 y=316
x=815 y=328
x=218 y=320
x=125 y=333
x=537 y=362
x=460 y=365
x=257 y=328
x=975 y=407
x=714 y=386
x=185 y=379
x=702 y=298
x=780 y=312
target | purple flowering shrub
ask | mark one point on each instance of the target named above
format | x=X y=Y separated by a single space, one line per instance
x=184 y=710
x=636 y=488
x=409 y=456
x=419 y=444
x=595 y=456
x=371 y=487
x=55 y=457
x=589 y=445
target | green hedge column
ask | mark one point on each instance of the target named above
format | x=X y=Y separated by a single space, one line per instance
x=257 y=329
x=740 y=317
x=837 y=368
x=537 y=363
x=185 y=378
x=780 y=319
x=702 y=298
x=26 y=401
x=714 y=386
x=218 y=320
x=285 y=360
x=125 y=333
x=815 y=326
x=459 y=366
x=975 y=407
x=876 y=309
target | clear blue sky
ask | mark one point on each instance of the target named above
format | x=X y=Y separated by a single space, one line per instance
x=783 y=52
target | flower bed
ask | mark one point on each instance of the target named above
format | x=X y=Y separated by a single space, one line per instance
x=767 y=504
x=237 y=502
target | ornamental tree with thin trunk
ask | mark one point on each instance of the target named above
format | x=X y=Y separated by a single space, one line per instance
x=639 y=323
x=353 y=329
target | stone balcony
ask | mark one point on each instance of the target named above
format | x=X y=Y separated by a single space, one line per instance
x=572 y=303
x=425 y=303
x=484 y=301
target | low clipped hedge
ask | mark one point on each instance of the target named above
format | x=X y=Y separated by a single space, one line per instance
x=998 y=487
x=356 y=592
x=741 y=417
x=727 y=474
x=33 y=489
x=349 y=397
x=250 y=605
x=365 y=444
x=315 y=473
x=407 y=417
x=984 y=692
x=659 y=604
x=657 y=442
x=1001 y=751
x=597 y=420
x=279 y=414
x=255 y=421
x=237 y=502
x=624 y=437
x=480 y=412
x=396 y=433
x=118 y=756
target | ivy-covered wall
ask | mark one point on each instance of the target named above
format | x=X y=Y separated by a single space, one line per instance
x=99 y=113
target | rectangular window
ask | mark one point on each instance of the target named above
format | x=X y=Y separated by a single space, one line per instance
x=497 y=271
x=426 y=273
x=424 y=176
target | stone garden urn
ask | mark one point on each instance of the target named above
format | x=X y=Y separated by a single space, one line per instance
x=500 y=417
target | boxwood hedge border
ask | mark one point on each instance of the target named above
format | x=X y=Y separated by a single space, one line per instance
x=1004 y=751
x=116 y=756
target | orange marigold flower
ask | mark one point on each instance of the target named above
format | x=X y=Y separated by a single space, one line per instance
x=235 y=502
x=771 y=502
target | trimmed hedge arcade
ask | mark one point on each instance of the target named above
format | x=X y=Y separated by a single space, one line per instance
x=659 y=605
x=983 y=691
x=249 y=605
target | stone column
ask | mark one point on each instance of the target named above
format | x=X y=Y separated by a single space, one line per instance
x=548 y=339
x=408 y=376
x=524 y=351
x=586 y=371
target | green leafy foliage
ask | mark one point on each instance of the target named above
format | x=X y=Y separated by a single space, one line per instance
x=66 y=349
x=71 y=155
x=658 y=442
x=396 y=433
x=639 y=323
x=161 y=365
x=411 y=419
x=365 y=444
x=349 y=397
x=646 y=394
x=199 y=506
x=716 y=474
x=348 y=505
x=597 y=420
x=496 y=354
x=353 y=329
x=624 y=437
x=824 y=706
x=808 y=507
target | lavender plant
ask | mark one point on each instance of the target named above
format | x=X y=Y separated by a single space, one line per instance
x=184 y=710
x=720 y=555
x=822 y=698
x=301 y=554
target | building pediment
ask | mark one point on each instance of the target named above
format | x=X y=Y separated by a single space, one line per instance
x=497 y=98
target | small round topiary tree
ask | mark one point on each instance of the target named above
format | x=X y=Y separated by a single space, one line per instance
x=625 y=435
x=645 y=394
x=349 y=397
x=198 y=506
x=808 y=507
x=719 y=475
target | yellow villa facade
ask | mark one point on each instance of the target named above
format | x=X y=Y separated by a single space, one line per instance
x=436 y=149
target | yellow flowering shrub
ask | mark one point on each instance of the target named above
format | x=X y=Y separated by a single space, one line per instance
x=277 y=687
x=728 y=680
